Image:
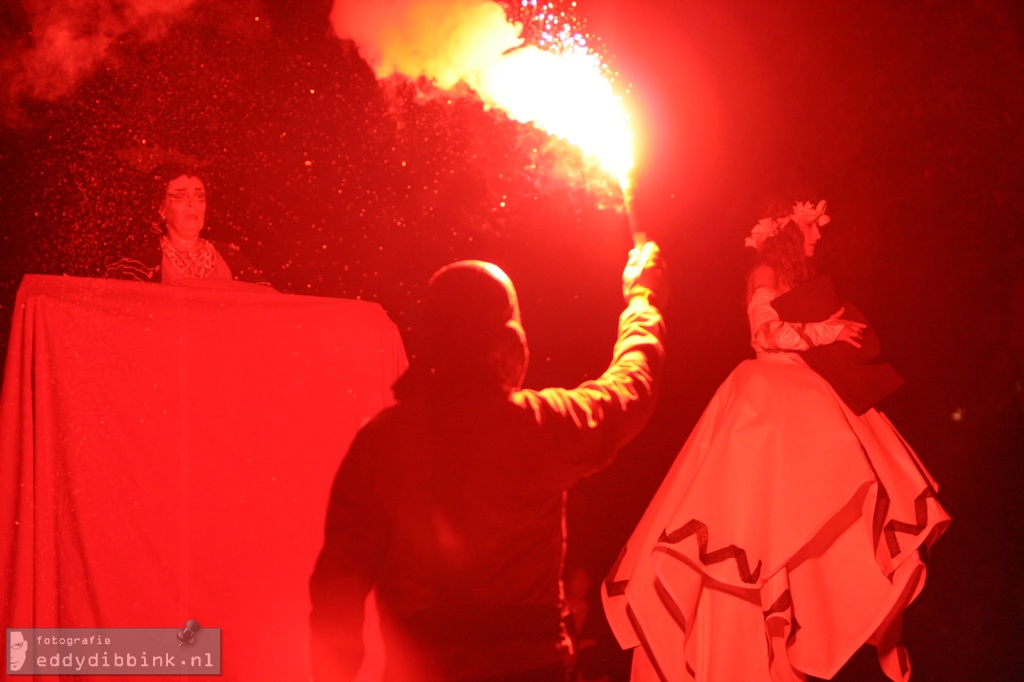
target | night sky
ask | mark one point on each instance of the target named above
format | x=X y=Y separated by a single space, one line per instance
x=906 y=117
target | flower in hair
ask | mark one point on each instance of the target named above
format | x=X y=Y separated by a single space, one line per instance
x=803 y=214
x=766 y=227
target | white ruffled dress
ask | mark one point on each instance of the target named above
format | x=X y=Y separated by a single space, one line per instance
x=787 y=533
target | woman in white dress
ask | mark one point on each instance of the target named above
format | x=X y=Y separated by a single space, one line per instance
x=790 y=529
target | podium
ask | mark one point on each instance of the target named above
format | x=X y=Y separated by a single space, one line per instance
x=166 y=454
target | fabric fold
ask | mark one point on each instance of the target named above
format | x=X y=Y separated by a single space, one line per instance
x=785 y=536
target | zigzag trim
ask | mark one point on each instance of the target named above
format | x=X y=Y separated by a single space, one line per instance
x=695 y=527
x=921 y=519
x=645 y=643
x=784 y=603
x=616 y=588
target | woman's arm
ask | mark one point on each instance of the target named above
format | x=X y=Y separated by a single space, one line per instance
x=768 y=332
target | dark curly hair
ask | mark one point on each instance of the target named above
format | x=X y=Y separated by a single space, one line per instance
x=164 y=173
x=784 y=251
x=159 y=177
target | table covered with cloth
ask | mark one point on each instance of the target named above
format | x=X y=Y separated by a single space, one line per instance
x=166 y=453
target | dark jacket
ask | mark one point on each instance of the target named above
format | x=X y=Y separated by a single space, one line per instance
x=143 y=262
x=450 y=505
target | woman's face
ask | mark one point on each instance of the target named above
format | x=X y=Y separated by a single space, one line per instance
x=184 y=207
x=811 y=236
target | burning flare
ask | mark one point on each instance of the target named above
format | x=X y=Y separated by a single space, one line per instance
x=563 y=89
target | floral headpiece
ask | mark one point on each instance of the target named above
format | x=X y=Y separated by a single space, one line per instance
x=804 y=214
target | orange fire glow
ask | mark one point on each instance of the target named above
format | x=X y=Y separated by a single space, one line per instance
x=568 y=96
x=562 y=87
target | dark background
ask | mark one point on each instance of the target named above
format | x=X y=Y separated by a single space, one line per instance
x=905 y=116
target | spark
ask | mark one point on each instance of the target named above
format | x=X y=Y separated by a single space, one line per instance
x=537 y=66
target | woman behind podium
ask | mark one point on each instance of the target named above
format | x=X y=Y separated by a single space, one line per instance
x=790 y=529
x=175 y=250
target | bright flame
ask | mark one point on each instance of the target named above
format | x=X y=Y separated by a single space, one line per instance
x=564 y=90
x=568 y=96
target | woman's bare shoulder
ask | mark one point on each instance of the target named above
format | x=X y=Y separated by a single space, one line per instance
x=762 y=275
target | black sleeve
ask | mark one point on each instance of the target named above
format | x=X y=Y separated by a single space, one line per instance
x=355 y=541
x=138 y=261
x=242 y=269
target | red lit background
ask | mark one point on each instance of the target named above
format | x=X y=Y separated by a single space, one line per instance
x=907 y=118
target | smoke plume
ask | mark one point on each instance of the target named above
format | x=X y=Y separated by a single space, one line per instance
x=66 y=41
x=446 y=41
x=564 y=91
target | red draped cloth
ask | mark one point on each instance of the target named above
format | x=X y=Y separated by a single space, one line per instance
x=166 y=454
